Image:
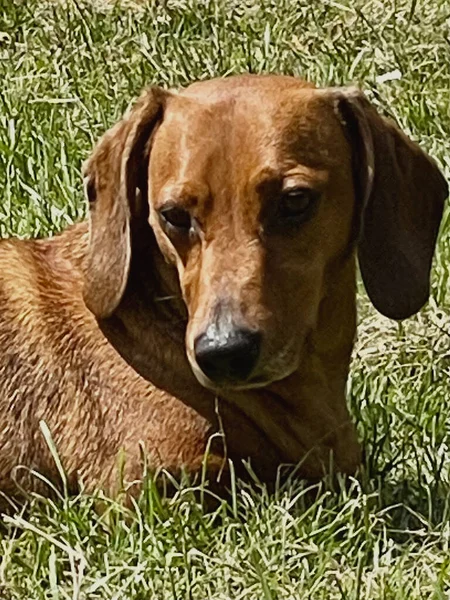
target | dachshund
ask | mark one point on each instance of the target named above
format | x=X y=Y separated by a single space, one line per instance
x=206 y=310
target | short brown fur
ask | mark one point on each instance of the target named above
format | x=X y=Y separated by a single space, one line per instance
x=222 y=150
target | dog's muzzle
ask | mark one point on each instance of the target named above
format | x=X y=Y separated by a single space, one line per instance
x=230 y=358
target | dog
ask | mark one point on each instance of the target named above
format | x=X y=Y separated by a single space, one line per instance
x=207 y=307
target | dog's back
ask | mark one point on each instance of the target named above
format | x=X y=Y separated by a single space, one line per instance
x=56 y=366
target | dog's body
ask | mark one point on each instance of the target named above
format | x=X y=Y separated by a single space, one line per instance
x=220 y=262
x=105 y=419
x=56 y=366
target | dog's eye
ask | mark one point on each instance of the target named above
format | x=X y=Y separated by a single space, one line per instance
x=178 y=218
x=89 y=186
x=297 y=204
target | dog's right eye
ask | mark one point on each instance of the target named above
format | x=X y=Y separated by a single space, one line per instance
x=91 y=192
x=177 y=218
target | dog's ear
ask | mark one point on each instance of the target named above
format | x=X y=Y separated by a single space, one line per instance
x=401 y=194
x=116 y=182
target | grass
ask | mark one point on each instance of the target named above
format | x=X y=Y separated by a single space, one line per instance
x=68 y=70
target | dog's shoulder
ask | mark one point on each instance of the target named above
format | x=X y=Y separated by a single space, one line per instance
x=29 y=267
x=45 y=326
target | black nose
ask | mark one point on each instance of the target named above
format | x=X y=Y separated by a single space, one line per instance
x=229 y=358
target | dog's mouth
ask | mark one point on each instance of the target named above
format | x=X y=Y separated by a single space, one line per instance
x=260 y=380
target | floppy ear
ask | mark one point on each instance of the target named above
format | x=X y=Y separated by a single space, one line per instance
x=401 y=193
x=116 y=181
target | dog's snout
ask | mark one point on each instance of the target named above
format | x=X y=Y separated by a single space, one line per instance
x=230 y=358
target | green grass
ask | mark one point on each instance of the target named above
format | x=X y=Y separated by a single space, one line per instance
x=67 y=72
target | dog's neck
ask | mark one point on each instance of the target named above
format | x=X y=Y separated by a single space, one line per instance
x=151 y=318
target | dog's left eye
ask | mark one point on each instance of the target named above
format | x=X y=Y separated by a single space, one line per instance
x=178 y=218
x=297 y=204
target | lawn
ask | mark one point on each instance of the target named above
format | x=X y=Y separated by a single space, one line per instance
x=67 y=72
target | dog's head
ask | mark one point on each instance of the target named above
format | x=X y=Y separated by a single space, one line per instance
x=257 y=190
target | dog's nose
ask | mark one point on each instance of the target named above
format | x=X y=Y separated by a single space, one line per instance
x=230 y=358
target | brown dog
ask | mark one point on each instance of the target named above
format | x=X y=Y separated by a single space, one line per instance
x=220 y=263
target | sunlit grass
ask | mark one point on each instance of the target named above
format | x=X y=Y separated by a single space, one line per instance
x=68 y=70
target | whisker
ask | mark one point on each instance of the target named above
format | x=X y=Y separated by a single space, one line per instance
x=166 y=298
